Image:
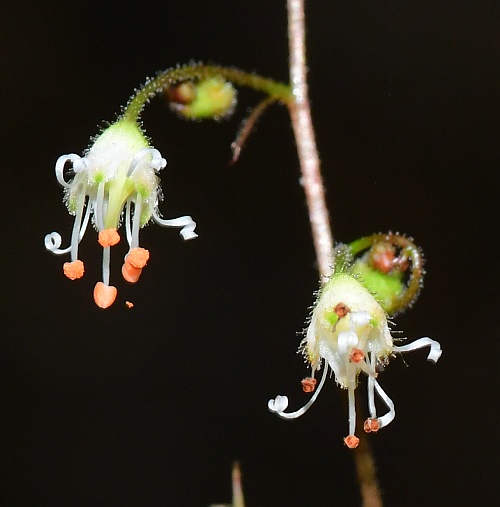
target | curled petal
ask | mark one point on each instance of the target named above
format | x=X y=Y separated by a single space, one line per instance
x=434 y=353
x=278 y=404
x=78 y=165
x=187 y=223
x=157 y=161
x=53 y=242
x=387 y=418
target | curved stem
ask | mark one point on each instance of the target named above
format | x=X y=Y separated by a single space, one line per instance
x=170 y=77
x=318 y=213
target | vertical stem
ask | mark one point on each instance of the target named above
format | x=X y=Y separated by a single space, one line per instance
x=238 y=500
x=300 y=113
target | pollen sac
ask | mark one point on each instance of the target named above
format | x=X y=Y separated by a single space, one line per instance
x=199 y=100
x=115 y=181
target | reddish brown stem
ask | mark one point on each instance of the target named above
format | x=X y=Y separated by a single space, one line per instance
x=318 y=213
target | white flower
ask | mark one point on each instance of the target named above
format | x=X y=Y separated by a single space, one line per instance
x=115 y=180
x=349 y=333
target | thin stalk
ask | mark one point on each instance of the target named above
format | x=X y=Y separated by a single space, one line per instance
x=300 y=113
x=171 y=77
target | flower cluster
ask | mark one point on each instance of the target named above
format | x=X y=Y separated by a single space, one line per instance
x=116 y=180
x=349 y=333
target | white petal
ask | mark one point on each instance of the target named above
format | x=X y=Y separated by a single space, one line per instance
x=434 y=353
x=346 y=340
x=360 y=318
x=278 y=404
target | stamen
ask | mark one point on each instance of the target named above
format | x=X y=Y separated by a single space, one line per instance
x=371 y=388
x=434 y=353
x=137 y=257
x=99 y=210
x=341 y=310
x=104 y=295
x=356 y=356
x=280 y=404
x=352 y=409
x=77 y=225
x=308 y=384
x=131 y=274
x=73 y=270
x=106 y=255
x=136 y=222
x=108 y=237
x=351 y=441
x=187 y=223
x=129 y=304
x=371 y=425
x=128 y=228
x=135 y=260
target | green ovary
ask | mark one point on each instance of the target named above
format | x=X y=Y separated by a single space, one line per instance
x=331 y=317
x=119 y=191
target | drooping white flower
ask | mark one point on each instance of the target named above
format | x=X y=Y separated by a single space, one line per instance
x=116 y=180
x=349 y=333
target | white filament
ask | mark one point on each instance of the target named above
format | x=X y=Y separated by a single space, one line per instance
x=136 y=222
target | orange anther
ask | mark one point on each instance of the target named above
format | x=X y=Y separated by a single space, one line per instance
x=130 y=273
x=308 y=384
x=104 y=295
x=73 y=270
x=129 y=304
x=108 y=237
x=137 y=257
x=351 y=441
x=357 y=355
x=341 y=310
x=371 y=425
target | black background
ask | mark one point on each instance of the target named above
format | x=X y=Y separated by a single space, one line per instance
x=150 y=406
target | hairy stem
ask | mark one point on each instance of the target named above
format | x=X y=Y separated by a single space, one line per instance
x=170 y=77
x=300 y=113
x=318 y=213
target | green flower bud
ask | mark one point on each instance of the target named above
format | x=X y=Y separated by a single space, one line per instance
x=209 y=98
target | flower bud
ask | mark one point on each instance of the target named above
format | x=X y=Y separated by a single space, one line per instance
x=209 y=98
